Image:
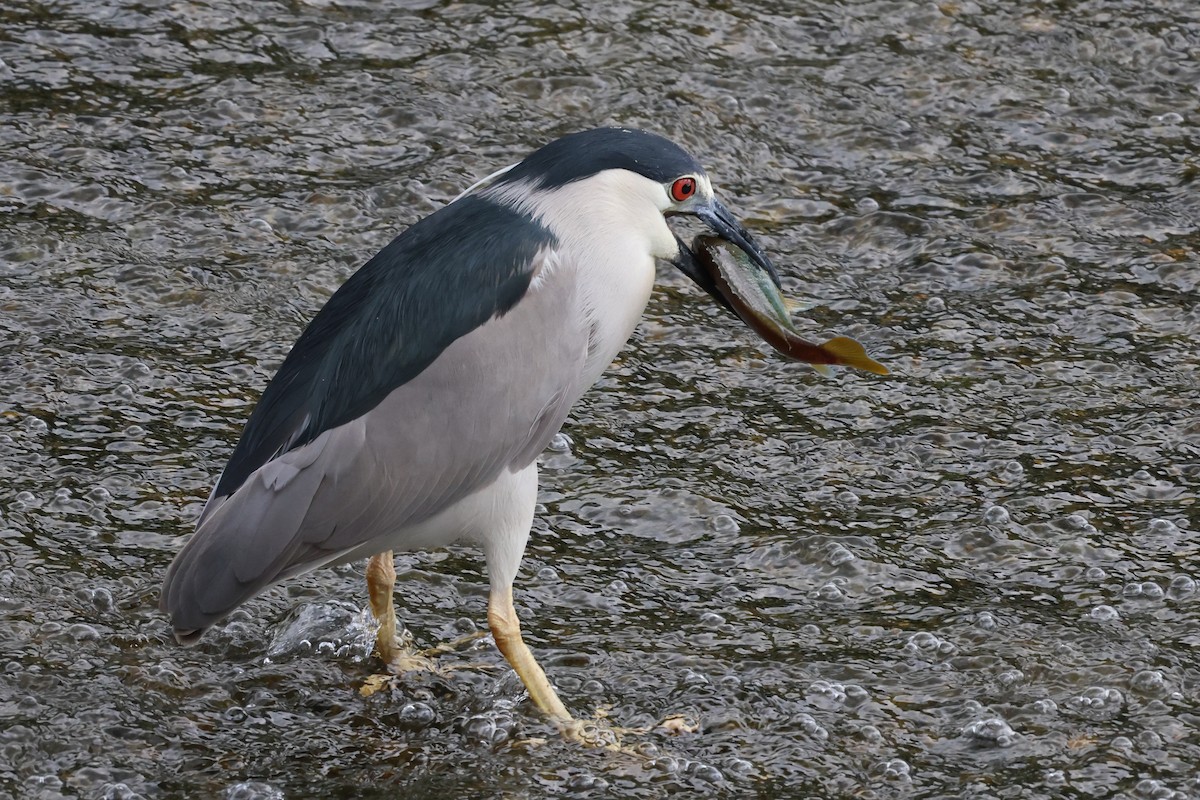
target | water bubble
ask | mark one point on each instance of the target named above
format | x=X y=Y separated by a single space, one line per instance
x=810 y=726
x=585 y=782
x=1097 y=702
x=480 y=729
x=987 y=620
x=996 y=515
x=415 y=716
x=253 y=790
x=711 y=619
x=235 y=714
x=260 y=224
x=847 y=498
x=723 y=523
x=46 y=783
x=561 y=443
x=896 y=769
x=1095 y=574
x=1147 y=590
x=1013 y=470
x=871 y=734
x=668 y=764
x=548 y=575
x=935 y=304
x=1055 y=777
x=1157 y=790
x=82 y=632
x=1045 y=706
x=1182 y=587
x=994 y=731
x=1163 y=527
x=1142 y=476
x=1074 y=522
x=119 y=791
x=1010 y=678
x=1170 y=118
x=866 y=205
x=99 y=494
x=1149 y=682
x=832 y=591
x=617 y=587
x=927 y=644
x=1103 y=613
x=705 y=772
x=839 y=555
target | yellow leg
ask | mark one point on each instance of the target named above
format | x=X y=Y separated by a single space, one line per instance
x=381 y=581
x=506 y=630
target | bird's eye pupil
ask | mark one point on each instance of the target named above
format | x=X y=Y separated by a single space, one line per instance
x=683 y=188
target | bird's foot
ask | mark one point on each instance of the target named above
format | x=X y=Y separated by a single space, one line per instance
x=598 y=731
x=401 y=657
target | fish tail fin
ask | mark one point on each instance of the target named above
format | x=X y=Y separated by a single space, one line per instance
x=850 y=353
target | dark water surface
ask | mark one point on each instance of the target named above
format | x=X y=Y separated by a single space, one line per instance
x=974 y=578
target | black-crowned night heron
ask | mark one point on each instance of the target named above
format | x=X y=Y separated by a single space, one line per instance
x=411 y=412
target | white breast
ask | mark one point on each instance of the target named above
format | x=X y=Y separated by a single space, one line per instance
x=610 y=229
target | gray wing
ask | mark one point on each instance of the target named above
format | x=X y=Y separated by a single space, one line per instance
x=490 y=402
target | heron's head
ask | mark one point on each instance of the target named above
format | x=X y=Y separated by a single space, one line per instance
x=616 y=185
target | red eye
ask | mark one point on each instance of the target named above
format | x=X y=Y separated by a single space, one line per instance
x=683 y=188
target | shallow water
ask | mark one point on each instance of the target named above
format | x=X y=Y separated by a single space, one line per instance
x=974 y=578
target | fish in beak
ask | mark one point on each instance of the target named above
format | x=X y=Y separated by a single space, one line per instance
x=732 y=268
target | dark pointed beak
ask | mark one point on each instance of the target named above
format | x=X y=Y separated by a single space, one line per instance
x=721 y=221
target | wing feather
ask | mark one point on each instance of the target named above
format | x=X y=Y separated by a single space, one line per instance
x=491 y=401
